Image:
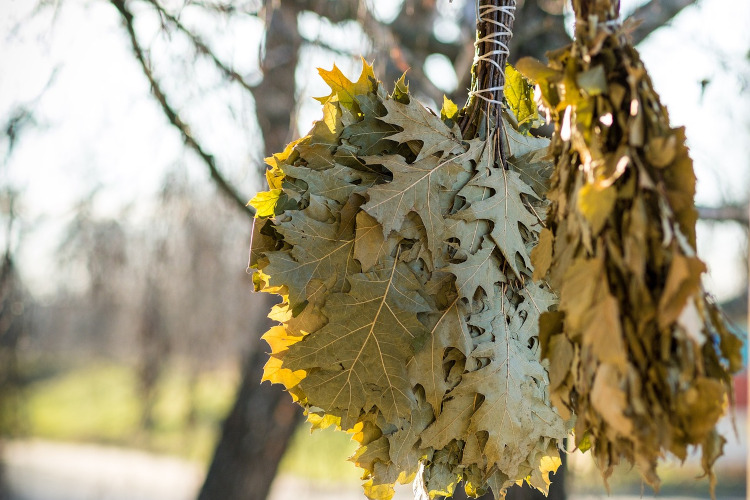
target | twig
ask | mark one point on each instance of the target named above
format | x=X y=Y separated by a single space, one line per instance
x=656 y=14
x=494 y=29
x=229 y=73
x=733 y=213
x=172 y=115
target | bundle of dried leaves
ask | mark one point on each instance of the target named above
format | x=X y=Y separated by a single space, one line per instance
x=409 y=317
x=637 y=351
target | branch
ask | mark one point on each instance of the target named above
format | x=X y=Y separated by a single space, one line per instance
x=228 y=8
x=172 y=115
x=656 y=14
x=734 y=213
x=410 y=29
x=228 y=72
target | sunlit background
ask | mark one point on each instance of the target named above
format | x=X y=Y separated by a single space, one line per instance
x=125 y=266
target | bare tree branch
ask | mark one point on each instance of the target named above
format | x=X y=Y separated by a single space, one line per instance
x=656 y=14
x=230 y=73
x=734 y=213
x=172 y=115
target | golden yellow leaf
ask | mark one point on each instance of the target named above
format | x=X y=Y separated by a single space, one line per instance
x=274 y=372
x=344 y=89
x=596 y=204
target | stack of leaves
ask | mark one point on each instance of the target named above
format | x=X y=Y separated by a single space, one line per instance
x=409 y=317
x=636 y=349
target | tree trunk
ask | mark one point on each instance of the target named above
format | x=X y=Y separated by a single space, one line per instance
x=254 y=438
x=258 y=429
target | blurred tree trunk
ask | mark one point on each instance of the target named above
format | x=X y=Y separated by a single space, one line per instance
x=14 y=314
x=11 y=330
x=258 y=429
x=154 y=349
x=253 y=440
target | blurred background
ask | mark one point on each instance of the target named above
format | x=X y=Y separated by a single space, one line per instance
x=132 y=134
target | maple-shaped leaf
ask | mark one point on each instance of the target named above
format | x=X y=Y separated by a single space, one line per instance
x=426 y=368
x=370 y=246
x=453 y=421
x=479 y=270
x=521 y=144
x=514 y=413
x=416 y=187
x=505 y=208
x=419 y=124
x=535 y=168
x=359 y=360
x=344 y=89
x=405 y=446
x=319 y=252
x=337 y=183
x=537 y=299
x=370 y=136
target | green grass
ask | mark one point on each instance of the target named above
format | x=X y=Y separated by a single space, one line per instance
x=100 y=403
x=321 y=456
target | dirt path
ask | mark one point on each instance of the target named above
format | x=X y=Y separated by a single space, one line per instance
x=40 y=470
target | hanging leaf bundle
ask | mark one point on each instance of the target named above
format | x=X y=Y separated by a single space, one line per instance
x=400 y=244
x=636 y=349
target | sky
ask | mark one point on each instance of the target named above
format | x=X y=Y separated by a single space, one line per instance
x=99 y=130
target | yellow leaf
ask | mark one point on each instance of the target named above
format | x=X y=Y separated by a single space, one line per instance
x=549 y=464
x=585 y=443
x=596 y=203
x=277 y=159
x=319 y=422
x=661 y=151
x=278 y=339
x=378 y=491
x=401 y=90
x=536 y=70
x=344 y=89
x=274 y=373
x=702 y=405
x=275 y=175
x=365 y=432
x=449 y=111
x=265 y=202
x=580 y=288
